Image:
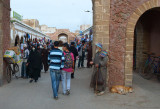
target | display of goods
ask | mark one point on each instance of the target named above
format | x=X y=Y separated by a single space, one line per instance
x=18 y=59
x=10 y=56
x=15 y=49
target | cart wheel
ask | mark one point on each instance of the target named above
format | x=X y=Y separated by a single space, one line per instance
x=16 y=68
x=8 y=74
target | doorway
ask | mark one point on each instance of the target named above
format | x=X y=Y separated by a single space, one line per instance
x=63 y=38
x=146 y=36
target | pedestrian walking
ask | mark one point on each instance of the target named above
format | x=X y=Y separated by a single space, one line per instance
x=56 y=63
x=45 y=58
x=100 y=66
x=89 y=56
x=75 y=53
x=39 y=50
x=34 y=63
x=24 y=69
x=67 y=70
x=30 y=46
x=48 y=46
x=81 y=55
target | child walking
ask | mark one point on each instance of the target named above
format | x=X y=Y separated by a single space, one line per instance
x=67 y=70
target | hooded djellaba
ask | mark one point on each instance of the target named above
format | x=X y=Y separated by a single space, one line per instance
x=100 y=66
x=34 y=62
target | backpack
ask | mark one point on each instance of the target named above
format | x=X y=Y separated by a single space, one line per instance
x=68 y=60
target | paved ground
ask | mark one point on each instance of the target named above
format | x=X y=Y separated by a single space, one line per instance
x=20 y=94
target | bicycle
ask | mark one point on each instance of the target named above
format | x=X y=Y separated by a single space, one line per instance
x=11 y=71
x=151 y=67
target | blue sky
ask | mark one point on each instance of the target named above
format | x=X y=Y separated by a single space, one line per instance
x=67 y=14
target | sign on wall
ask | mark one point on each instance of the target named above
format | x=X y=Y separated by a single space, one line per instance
x=17 y=16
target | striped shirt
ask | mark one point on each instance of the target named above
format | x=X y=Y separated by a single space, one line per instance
x=56 y=59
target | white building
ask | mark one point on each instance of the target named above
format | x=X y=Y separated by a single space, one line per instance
x=21 y=31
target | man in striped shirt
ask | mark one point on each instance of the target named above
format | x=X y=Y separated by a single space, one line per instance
x=56 y=63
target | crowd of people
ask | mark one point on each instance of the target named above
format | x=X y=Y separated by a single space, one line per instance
x=60 y=58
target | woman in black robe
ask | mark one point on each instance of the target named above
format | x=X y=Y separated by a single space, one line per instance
x=45 y=58
x=34 y=62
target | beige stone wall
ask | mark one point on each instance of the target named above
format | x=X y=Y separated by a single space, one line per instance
x=46 y=29
x=34 y=23
x=101 y=16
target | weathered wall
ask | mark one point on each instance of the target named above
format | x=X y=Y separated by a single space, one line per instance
x=124 y=16
x=4 y=33
x=1 y=43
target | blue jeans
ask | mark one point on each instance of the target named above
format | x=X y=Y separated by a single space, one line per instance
x=55 y=79
x=23 y=70
x=81 y=61
x=66 y=80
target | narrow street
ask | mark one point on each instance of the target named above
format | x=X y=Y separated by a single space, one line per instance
x=20 y=94
x=127 y=31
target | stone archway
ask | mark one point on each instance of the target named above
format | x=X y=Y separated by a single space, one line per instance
x=63 y=37
x=130 y=37
x=66 y=32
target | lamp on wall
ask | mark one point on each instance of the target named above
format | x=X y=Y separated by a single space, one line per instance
x=88 y=11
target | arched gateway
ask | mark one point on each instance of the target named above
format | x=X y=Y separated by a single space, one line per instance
x=140 y=35
x=62 y=34
x=63 y=37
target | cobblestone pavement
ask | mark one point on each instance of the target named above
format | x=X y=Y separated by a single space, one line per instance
x=20 y=94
